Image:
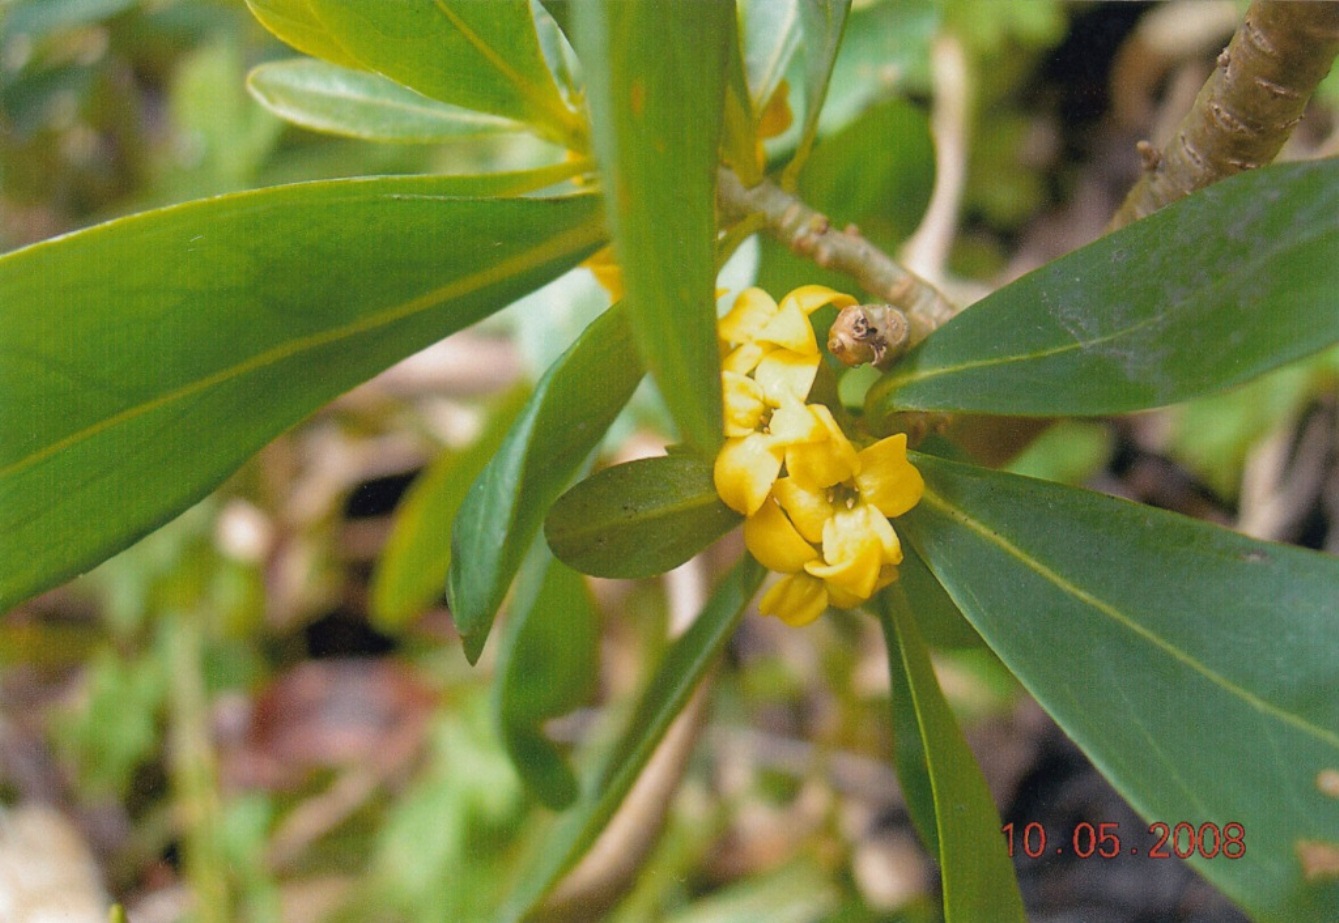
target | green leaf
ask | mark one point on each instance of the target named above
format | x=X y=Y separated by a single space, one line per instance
x=296 y=23
x=146 y=358
x=680 y=672
x=937 y=616
x=822 y=23
x=770 y=34
x=1194 y=666
x=656 y=104
x=933 y=761
x=639 y=519
x=565 y=419
x=1213 y=290
x=482 y=56
x=768 y=37
x=739 y=122
x=414 y=563
x=338 y=100
x=548 y=665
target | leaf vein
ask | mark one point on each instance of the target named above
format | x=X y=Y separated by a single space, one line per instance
x=1115 y=615
x=428 y=300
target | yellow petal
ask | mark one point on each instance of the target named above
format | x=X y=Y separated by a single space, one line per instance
x=744 y=358
x=821 y=464
x=809 y=298
x=809 y=510
x=886 y=479
x=797 y=600
x=852 y=553
x=784 y=373
x=744 y=471
x=789 y=328
x=792 y=422
x=744 y=406
x=749 y=314
x=771 y=539
x=889 y=544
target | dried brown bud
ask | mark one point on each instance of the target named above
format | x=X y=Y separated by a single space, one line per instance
x=864 y=333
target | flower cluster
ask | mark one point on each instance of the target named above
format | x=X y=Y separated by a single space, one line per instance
x=817 y=509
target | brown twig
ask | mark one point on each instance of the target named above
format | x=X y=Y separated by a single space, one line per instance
x=1248 y=107
x=810 y=234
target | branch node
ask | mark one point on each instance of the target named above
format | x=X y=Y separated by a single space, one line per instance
x=1277 y=90
x=1149 y=156
x=919 y=307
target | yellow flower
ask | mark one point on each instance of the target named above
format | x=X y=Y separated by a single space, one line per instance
x=834 y=540
x=759 y=433
x=771 y=359
x=824 y=524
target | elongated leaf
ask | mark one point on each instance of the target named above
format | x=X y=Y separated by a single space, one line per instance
x=146 y=358
x=1238 y=279
x=296 y=23
x=565 y=419
x=739 y=122
x=656 y=100
x=678 y=675
x=639 y=519
x=937 y=617
x=413 y=565
x=1196 y=667
x=548 y=665
x=342 y=101
x=482 y=56
x=769 y=34
x=964 y=830
x=822 y=23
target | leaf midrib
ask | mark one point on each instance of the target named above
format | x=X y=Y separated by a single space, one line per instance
x=540 y=103
x=919 y=376
x=465 y=285
x=1121 y=619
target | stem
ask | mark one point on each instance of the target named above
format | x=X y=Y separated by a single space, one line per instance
x=810 y=234
x=1248 y=107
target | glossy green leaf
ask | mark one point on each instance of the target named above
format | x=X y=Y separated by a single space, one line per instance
x=822 y=23
x=770 y=34
x=933 y=759
x=342 y=101
x=548 y=665
x=565 y=419
x=146 y=358
x=1215 y=289
x=680 y=672
x=639 y=519
x=1194 y=666
x=937 y=617
x=656 y=108
x=296 y=23
x=413 y=566
x=481 y=56
x=739 y=122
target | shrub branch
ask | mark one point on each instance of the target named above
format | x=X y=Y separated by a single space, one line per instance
x=810 y=234
x=1248 y=107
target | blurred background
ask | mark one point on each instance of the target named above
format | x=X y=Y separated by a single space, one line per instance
x=218 y=724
